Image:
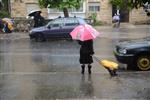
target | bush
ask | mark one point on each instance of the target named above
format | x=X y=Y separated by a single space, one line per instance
x=95 y=22
x=4 y=14
x=93 y=17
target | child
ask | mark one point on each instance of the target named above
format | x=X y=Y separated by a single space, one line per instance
x=86 y=52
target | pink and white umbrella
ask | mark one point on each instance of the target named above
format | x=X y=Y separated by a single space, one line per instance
x=84 y=32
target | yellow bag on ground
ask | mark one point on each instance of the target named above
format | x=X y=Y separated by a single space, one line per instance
x=109 y=64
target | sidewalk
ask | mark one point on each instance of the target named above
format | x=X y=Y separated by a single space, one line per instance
x=122 y=25
x=14 y=35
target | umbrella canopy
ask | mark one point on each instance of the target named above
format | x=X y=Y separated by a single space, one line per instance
x=8 y=20
x=32 y=13
x=84 y=32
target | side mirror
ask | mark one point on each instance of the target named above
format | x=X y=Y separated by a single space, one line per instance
x=49 y=27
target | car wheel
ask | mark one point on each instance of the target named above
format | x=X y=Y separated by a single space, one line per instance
x=143 y=62
x=40 y=38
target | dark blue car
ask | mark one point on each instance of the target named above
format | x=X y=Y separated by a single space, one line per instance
x=59 y=27
x=134 y=53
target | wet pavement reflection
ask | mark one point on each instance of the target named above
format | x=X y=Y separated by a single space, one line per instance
x=52 y=86
x=37 y=56
x=50 y=70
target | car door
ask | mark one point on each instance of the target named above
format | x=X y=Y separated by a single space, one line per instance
x=54 y=28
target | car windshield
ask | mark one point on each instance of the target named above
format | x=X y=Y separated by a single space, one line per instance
x=55 y=22
x=65 y=21
x=49 y=23
x=81 y=21
x=71 y=21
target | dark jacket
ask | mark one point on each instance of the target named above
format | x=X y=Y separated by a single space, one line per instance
x=38 y=20
x=86 y=52
x=6 y=29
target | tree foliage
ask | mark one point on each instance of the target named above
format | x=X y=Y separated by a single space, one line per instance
x=130 y=4
x=4 y=12
x=1 y=5
x=60 y=4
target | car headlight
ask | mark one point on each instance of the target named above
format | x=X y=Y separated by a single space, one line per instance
x=123 y=51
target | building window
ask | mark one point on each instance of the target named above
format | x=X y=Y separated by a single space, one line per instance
x=94 y=6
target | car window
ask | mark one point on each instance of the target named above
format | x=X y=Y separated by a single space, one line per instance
x=56 y=23
x=71 y=22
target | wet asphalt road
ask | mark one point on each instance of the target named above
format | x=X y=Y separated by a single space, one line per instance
x=50 y=70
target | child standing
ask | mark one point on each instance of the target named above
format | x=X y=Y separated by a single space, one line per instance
x=86 y=52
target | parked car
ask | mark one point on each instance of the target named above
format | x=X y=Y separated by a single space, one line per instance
x=134 y=53
x=59 y=27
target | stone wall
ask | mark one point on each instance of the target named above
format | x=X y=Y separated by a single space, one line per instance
x=19 y=8
x=138 y=15
x=24 y=25
x=105 y=11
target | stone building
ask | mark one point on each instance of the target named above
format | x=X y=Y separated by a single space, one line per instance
x=103 y=9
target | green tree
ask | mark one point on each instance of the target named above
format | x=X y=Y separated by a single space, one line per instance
x=61 y=4
x=1 y=5
x=4 y=8
x=129 y=4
